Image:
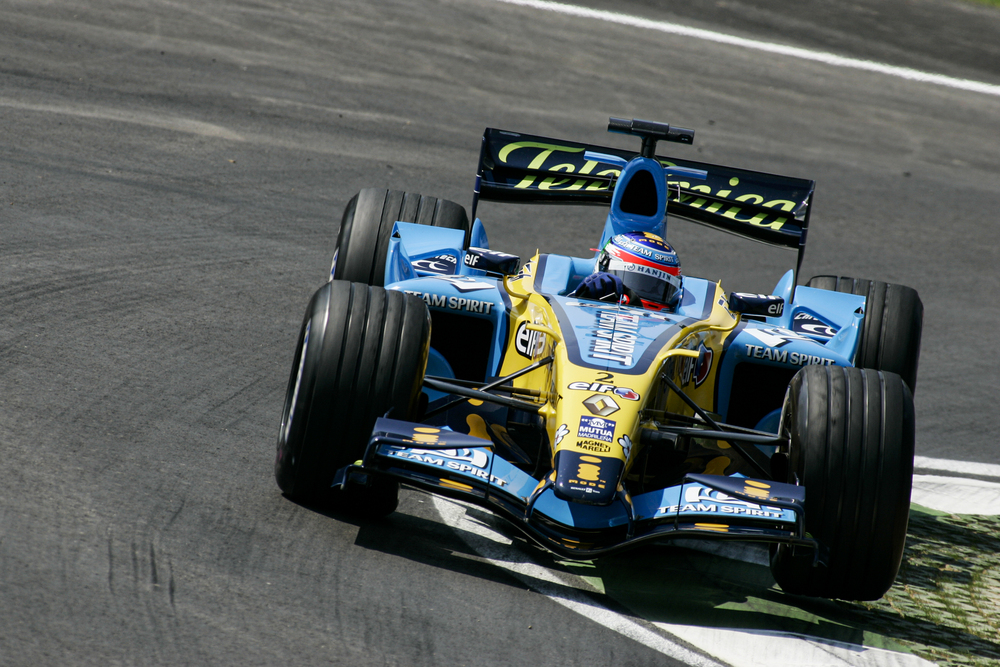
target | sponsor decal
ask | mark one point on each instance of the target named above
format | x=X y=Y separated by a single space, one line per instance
x=594 y=446
x=615 y=336
x=543 y=156
x=596 y=428
x=561 y=433
x=621 y=392
x=466 y=283
x=601 y=405
x=592 y=304
x=424 y=435
x=626 y=445
x=440 y=264
x=756 y=489
x=590 y=475
x=583 y=475
x=528 y=343
x=615 y=265
x=651 y=247
x=490 y=260
x=786 y=357
x=774 y=336
x=807 y=324
x=454 y=302
x=468 y=461
x=704 y=365
x=697 y=369
x=638 y=315
x=474 y=457
x=725 y=305
x=552 y=183
x=774 y=339
x=755 y=303
x=701 y=500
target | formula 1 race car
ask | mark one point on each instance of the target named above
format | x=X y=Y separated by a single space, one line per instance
x=596 y=425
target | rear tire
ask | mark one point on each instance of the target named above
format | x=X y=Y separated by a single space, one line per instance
x=852 y=439
x=363 y=240
x=894 y=314
x=362 y=352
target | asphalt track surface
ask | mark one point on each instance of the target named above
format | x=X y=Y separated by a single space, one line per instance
x=171 y=180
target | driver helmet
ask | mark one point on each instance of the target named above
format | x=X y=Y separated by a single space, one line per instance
x=647 y=265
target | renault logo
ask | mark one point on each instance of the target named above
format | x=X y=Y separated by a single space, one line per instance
x=601 y=405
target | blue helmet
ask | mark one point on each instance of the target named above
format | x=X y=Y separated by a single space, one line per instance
x=647 y=265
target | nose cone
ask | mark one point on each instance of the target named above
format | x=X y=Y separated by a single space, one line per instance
x=587 y=478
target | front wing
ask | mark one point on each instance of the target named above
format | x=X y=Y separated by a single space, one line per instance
x=701 y=506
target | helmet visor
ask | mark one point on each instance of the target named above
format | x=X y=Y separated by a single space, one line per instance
x=649 y=283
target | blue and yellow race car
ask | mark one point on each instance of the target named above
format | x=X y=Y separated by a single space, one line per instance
x=603 y=402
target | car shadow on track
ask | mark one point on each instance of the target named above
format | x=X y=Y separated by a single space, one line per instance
x=944 y=606
x=413 y=532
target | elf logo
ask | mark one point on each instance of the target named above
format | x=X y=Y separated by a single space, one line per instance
x=528 y=343
x=622 y=392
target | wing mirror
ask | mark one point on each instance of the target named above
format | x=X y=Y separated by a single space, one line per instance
x=756 y=305
x=492 y=261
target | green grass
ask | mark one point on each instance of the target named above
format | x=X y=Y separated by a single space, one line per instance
x=945 y=604
x=995 y=3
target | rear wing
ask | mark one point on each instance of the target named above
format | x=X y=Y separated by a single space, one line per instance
x=523 y=168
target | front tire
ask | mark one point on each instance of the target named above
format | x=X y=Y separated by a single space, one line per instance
x=363 y=240
x=894 y=315
x=852 y=442
x=361 y=352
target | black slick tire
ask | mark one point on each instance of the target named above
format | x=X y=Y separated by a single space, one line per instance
x=365 y=229
x=894 y=314
x=851 y=445
x=361 y=353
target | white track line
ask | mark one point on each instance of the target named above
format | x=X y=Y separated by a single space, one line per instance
x=768 y=47
x=766 y=648
x=956 y=495
x=924 y=463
